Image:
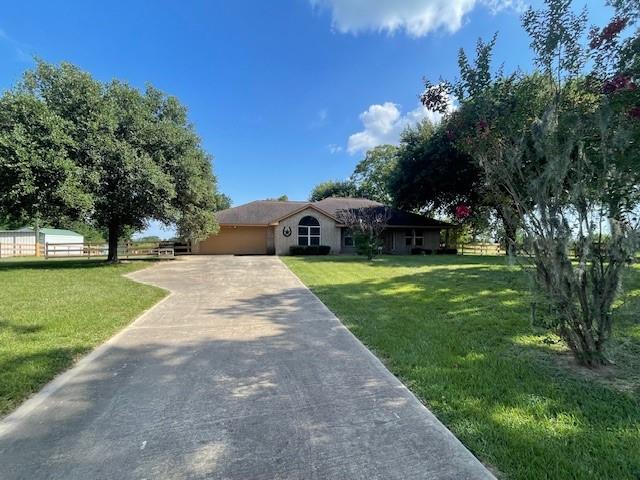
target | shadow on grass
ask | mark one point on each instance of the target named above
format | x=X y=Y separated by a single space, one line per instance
x=53 y=311
x=20 y=329
x=60 y=263
x=453 y=334
x=33 y=369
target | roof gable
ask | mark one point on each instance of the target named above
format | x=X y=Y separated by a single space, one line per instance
x=308 y=206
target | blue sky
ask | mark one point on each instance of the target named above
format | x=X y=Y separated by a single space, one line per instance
x=277 y=89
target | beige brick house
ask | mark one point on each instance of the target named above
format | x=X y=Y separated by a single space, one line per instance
x=272 y=227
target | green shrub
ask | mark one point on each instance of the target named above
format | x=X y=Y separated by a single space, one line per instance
x=309 y=249
x=365 y=245
x=421 y=251
x=447 y=251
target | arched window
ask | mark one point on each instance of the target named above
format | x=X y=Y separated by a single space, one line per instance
x=308 y=231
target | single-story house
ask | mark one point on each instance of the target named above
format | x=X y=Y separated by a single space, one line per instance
x=272 y=227
x=22 y=241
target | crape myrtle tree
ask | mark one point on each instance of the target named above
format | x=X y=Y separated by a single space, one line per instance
x=128 y=157
x=367 y=225
x=562 y=144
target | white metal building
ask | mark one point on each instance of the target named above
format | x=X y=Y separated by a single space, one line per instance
x=21 y=242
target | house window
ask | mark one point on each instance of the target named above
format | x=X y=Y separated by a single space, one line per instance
x=308 y=231
x=419 y=237
x=348 y=237
x=408 y=238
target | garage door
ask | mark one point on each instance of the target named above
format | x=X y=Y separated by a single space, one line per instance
x=236 y=240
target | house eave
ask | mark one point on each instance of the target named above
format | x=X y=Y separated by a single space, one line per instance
x=422 y=226
x=244 y=225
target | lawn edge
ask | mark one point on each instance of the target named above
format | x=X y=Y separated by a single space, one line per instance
x=11 y=419
x=388 y=372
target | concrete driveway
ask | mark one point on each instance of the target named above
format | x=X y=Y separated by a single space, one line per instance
x=241 y=373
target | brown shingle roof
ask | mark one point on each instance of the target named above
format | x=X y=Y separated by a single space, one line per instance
x=333 y=205
x=266 y=212
x=259 y=212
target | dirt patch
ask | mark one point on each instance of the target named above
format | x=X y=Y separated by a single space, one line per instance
x=618 y=377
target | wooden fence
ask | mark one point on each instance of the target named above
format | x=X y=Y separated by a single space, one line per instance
x=481 y=249
x=125 y=250
x=21 y=250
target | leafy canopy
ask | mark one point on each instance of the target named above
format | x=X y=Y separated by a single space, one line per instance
x=106 y=153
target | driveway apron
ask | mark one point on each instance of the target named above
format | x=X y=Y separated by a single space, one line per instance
x=241 y=373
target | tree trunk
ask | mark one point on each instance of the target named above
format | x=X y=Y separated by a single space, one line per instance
x=114 y=235
x=509 y=232
x=509 y=238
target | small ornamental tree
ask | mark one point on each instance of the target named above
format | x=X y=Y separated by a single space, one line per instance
x=367 y=225
x=562 y=145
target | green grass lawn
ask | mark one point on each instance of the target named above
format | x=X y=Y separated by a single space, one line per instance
x=52 y=312
x=457 y=331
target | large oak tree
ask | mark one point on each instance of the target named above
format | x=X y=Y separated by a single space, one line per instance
x=103 y=152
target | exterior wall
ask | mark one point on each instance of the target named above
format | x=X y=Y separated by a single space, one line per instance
x=394 y=241
x=15 y=244
x=329 y=233
x=22 y=243
x=271 y=240
x=63 y=239
x=55 y=245
x=431 y=240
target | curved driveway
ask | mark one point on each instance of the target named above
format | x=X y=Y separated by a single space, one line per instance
x=241 y=373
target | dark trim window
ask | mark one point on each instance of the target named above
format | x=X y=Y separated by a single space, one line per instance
x=419 y=238
x=348 y=237
x=408 y=238
x=414 y=238
x=308 y=231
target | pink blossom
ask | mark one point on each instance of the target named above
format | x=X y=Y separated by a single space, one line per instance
x=618 y=83
x=462 y=212
x=608 y=34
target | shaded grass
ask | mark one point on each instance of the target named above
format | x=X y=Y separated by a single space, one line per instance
x=457 y=331
x=52 y=312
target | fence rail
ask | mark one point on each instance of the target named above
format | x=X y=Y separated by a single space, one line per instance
x=21 y=250
x=125 y=250
x=481 y=249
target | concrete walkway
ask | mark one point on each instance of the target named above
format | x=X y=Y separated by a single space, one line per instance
x=242 y=373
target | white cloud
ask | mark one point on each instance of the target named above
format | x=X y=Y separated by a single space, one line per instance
x=334 y=148
x=320 y=118
x=416 y=17
x=383 y=123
